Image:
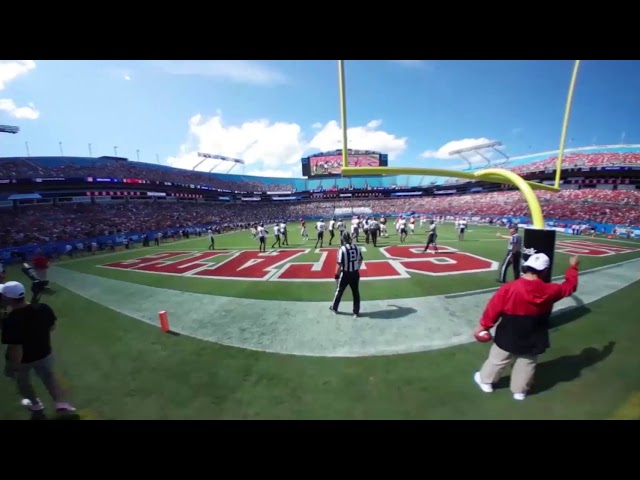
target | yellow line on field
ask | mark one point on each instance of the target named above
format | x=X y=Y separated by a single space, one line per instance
x=630 y=410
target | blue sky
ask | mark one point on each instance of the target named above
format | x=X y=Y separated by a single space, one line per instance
x=270 y=113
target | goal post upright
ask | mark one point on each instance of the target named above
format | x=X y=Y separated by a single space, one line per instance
x=343 y=113
x=565 y=122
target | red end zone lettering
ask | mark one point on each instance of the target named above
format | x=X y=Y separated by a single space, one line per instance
x=146 y=260
x=181 y=267
x=447 y=261
x=590 y=249
x=250 y=265
x=325 y=268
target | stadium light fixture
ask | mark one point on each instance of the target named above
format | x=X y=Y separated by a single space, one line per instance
x=477 y=149
x=9 y=129
x=209 y=156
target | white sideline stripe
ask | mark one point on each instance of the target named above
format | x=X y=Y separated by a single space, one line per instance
x=386 y=327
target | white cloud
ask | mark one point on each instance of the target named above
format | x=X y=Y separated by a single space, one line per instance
x=239 y=71
x=12 y=69
x=24 y=113
x=283 y=173
x=316 y=126
x=127 y=77
x=443 y=152
x=274 y=148
x=9 y=71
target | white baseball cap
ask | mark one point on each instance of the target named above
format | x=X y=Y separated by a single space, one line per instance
x=538 y=261
x=13 y=290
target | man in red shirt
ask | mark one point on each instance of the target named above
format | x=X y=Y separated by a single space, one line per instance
x=524 y=307
x=40 y=264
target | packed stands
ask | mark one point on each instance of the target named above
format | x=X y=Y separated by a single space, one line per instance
x=582 y=160
x=30 y=167
x=41 y=224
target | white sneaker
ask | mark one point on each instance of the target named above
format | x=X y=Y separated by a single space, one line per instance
x=34 y=407
x=519 y=396
x=485 y=387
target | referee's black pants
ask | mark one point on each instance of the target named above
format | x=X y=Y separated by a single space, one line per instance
x=512 y=259
x=352 y=280
x=374 y=237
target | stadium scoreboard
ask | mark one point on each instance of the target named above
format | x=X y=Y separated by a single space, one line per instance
x=329 y=164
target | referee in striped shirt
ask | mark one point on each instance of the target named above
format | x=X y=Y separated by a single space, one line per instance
x=348 y=274
x=513 y=257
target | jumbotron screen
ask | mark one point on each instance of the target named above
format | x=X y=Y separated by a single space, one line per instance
x=330 y=164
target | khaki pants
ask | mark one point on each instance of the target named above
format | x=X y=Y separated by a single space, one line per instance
x=44 y=370
x=522 y=372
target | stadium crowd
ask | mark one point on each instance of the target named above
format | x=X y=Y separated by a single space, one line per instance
x=44 y=223
x=108 y=167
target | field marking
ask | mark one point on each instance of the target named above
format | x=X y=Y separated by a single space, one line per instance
x=597 y=239
x=630 y=410
x=386 y=327
x=141 y=249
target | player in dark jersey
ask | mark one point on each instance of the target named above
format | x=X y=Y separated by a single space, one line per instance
x=431 y=239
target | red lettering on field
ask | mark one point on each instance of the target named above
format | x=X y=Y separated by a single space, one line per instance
x=250 y=265
x=146 y=260
x=182 y=266
x=590 y=249
x=446 y=262
x=325 y=268
x=413 y=251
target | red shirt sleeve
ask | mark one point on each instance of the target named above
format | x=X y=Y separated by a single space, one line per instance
x=567 y=288
x=493 y=310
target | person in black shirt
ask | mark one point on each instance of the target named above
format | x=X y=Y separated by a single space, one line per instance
x=26 y=331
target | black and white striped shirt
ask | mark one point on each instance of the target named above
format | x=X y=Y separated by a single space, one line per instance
x=515 y=243
x=349 y=258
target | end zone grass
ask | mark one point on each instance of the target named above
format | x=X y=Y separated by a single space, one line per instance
x=119 y=368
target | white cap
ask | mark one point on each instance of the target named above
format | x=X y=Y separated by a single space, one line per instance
x=14 y=290
x=538 y=261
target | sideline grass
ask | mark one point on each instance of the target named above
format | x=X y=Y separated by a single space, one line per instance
x=119 y=368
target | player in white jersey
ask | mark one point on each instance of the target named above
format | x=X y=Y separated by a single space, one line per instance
x=283 y=233
x=431 y=239
x=254 y=232
x=383 y=227
x=262 y=237
x=303 y=229
x=355 y=229
x=423 y=219
x=332 y=228
x=397 y=225
x=212 y=242
x=402 y=228
x=462 y=226
x=320 y=227
x=276 y=234
x=412 y=225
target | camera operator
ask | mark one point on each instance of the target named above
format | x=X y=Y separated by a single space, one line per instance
x=26 y=330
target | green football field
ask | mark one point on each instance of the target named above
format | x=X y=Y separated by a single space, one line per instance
x=254 y=339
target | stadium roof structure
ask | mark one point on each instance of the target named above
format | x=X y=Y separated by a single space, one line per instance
x=9 y=129
x=222 y=158
x=477 y=149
